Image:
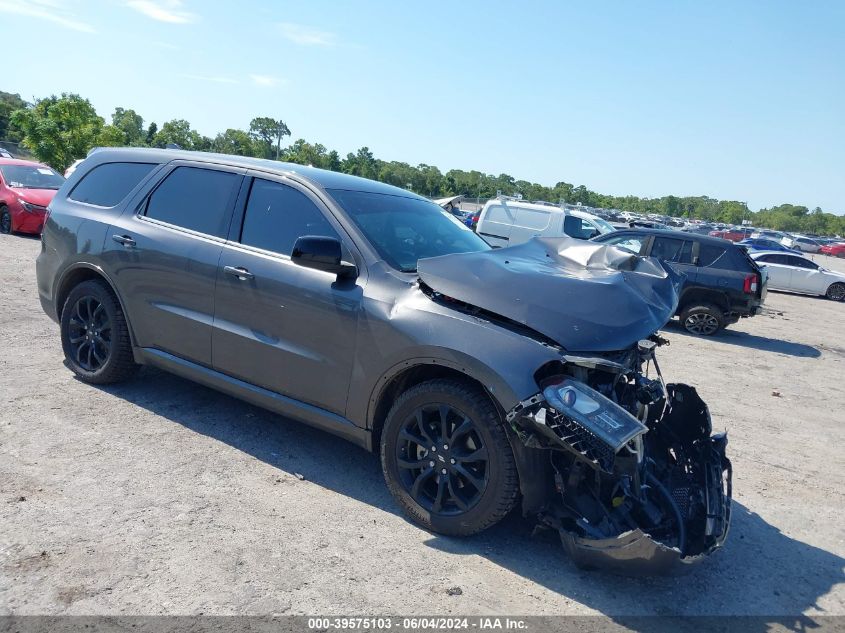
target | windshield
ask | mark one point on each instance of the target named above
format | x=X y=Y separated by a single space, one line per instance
x=604 y=226
x=404 y=230
x=31 y=177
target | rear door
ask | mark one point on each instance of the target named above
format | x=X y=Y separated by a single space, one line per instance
x=529 y=223
x=806 y=276
x=163 y=253
x=496 y=224
x=278 y=325
x=779 y=271
x=677 y=253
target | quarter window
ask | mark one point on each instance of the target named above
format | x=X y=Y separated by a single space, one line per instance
x=709 y=254
x=277 y=215
x=108 y=184
x=196 y=199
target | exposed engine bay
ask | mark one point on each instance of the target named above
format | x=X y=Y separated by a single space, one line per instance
x=640 y=485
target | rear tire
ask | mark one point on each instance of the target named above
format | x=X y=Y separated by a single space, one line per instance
x=702 y=319
x=836 y=292
x=95 y=336
x=5 y=220
x=470 y=481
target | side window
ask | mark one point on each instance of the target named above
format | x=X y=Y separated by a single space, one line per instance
x=196 y=199
x=800 y=262
x=276 y=215
x=709 y=254
x=672 y=250
x=108 y=184
x=531 y=219
x=499 y=213
x=628 y=242
x=577 y=228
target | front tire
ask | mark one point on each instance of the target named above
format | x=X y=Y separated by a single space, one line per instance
x=704 y=319
x=5 y=221
x=95 y=336
x=836 y=292
x=446 y=458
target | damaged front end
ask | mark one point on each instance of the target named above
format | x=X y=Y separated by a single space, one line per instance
x=640 y=485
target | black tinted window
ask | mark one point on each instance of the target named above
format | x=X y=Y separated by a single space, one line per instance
x=196 y=199
x=773 y=259
x=800 y=262
x=108 y=184
x=276 y=215
x=672 y=250
x=709 y=254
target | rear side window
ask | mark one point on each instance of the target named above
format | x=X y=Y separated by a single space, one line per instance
x=709 y=254
x=499 y=213
x=530 y=219
x=108 y=184
x=672 y=250
x=277 y=215
x=196 y=199
x=773 y=259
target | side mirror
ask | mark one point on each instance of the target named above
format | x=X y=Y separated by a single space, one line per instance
x=322 y=253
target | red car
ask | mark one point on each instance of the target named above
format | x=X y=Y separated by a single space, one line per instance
x=26 y=188
x=734 y=235
x=836 y=250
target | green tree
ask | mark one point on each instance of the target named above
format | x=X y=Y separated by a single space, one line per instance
x=151 y=132
x=236 y=142
x=269 y=132
x=178 y=132
x=9 y=103
x=111 y=136
x=131 y=124
x=58 y=130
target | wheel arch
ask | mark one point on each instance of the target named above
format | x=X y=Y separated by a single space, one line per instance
x=79 y=273
x=703 y=295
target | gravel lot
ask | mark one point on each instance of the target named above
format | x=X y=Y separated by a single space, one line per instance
x=161 y=496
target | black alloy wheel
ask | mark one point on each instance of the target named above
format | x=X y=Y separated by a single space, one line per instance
x=90 y=333
x=442 y=459
x=447 y=458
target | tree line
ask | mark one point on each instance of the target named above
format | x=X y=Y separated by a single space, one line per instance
x=60 y=129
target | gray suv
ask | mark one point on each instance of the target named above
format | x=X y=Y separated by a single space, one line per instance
x=484 y=377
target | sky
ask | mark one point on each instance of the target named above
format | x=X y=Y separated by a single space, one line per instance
x=734 y=100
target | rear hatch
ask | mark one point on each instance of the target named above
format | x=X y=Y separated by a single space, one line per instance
x=762 y=274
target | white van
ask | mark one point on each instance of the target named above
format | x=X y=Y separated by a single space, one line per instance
x=506 y=222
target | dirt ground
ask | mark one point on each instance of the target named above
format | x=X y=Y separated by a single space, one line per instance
x=161 y=496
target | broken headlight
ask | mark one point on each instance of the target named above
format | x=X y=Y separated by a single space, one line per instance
x=601 y=417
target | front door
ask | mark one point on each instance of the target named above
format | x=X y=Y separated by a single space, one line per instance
x=278 y=325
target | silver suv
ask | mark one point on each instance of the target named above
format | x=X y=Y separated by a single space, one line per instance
x=484 y=377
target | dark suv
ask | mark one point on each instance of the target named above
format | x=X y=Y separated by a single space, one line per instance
x=721 y=282
x=482 y=376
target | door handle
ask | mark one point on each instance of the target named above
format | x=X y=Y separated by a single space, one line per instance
x=125 y=240
x=238 y=271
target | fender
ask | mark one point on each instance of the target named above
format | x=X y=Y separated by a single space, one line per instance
x=60 y=290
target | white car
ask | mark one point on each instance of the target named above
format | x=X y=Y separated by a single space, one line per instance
x=506 y=221
x=795 y=273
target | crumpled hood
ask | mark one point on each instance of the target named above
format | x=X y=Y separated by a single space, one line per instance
x=583 y=295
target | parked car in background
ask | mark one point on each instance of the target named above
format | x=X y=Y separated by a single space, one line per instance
x=4 y=153
x=806 y=244
x=764 y=244
x=722 y=283
x=796 y=273
x=26 y=188
x=732 y=234
x=507 y=222
x=837 y=249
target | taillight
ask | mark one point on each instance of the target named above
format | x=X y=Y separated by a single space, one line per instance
x=750 y=284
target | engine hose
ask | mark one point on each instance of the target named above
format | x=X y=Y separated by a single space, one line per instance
x=682 y=528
